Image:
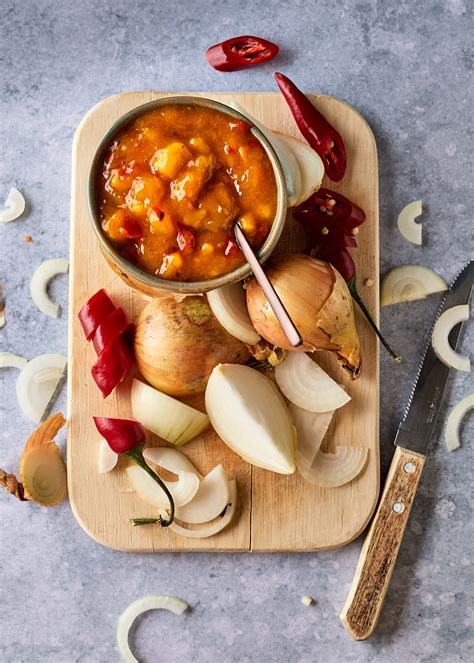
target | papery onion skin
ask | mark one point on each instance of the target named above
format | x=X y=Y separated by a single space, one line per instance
x=319 y=303
x=177 y=345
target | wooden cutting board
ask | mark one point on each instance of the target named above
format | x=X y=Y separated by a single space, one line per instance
x=275 y=512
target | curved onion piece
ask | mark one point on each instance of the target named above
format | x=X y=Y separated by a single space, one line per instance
x=141 y=605
x=408 y=283
x=311 y=427
x=455 y=418
x=107 y=458
x=288 y=161
x=306 y=385
x=149 y=491
x=310 y=165
x=170 y=459
x=216 y=526
x=209 y=501
x=39 y=284
x=14 y=206
x=165 y=416
x=330 y=470
x=411 y=230
x=9 y=360
x=440 y=338
x=230 y=308
x=34 y=397
x=250 y=416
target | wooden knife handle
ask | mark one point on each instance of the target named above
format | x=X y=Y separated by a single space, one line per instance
x=380 y=549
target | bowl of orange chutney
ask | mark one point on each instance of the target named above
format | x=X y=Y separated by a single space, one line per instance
x=167 y=183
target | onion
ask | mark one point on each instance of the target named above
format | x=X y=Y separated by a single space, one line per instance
x=134 y=610
x=177 y=344
x=216 y=526
x=407 y=283
x=306 y=385
x=411 y=230
x=319 y=303
x=165 y=416
x=310 y=165
x=229 y=306
x=170 y=459
x=330 y=470
x=14 y=206
x=34 y=397
x=251 y=417
x=107 y=458
x=9 y=360
x=455 y=418
x=209 y=501
x=311 y=427
x=149 y=490
x=440 y=338
x=39 y=284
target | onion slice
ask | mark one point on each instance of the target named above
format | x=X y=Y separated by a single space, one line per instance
x=216 y=526
x=306 y=385
x=408 y=283
x=14 y=206
x=149 y=491
x=39 y=284
x=209 y=501
x=311 y=428
x=165 y=416
x=9 y=360
x=310 y=164
x=455 y=418
x=440 y=338
x=229 y=306
x=251 y=417
x=407 y=225
x=34 y=397
x=330 y=470
x=108 y=459
x=158 y=602
x=169 y=459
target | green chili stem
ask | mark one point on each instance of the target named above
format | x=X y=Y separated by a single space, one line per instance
x=353 y=290
x=137 y=456
x=144 y=521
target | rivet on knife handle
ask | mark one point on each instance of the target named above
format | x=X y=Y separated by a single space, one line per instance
x=380 y=549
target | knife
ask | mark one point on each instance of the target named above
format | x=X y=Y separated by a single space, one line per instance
x=380 y=549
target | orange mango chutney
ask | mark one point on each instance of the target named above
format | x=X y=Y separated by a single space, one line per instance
x=172 y=184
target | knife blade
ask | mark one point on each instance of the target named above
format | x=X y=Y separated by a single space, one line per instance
x=382 y=543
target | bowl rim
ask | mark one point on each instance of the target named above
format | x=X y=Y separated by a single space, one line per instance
x=155 y=282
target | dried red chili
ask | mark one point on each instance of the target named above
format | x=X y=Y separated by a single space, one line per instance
x=240 y=53
x=319 y=133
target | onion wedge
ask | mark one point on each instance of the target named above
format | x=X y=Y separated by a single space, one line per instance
x=14 y=206
x=229 y=306
x=455 y=418
x=108 y=459
x=135 y=609
x=9 y=360
x=39 y=284
x=34 y=396
x=310 y=165
x=440 y=338
x=251 y=417
x=169 y=459
x=408 y=283
x=149 y=491
x=311 y=428
x=214 y=527
x=407 y=225
x=165 y=416
x=209 y=501
x=306 y=385
x=330 y=470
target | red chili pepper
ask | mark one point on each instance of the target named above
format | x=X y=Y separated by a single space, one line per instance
x=94 y=312
x=113 y=364
x=113 y=325
x=131 y=228
x=319 y=133
x=240 y=53
x=185 y=239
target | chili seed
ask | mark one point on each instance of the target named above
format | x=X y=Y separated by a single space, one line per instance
x=325 y=231
x=330 y=213
x=355 y=231
x=322 y=208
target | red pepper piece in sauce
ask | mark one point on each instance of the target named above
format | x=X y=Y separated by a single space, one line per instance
x=131 y=228
x=94 y=312
x=113 y=364
x=113 y=325
x=122 y=435
x=319 y=133
x=241 y=53
x=186 y=240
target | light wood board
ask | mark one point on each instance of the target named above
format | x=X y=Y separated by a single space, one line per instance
x=275 y=512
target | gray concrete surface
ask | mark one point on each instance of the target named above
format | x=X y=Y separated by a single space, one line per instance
x=407 y=66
